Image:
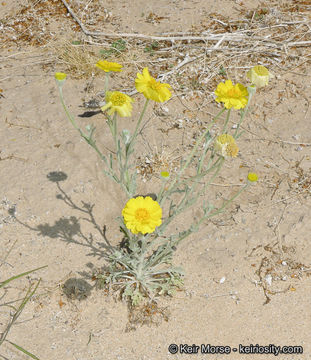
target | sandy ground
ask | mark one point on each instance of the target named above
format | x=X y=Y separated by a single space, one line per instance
x=247 y=271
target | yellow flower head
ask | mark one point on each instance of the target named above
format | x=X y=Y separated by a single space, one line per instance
x=60 y=79
x=109 y=66
x=259 y=76
x=226 y=146
x=252 y=177
x=60 y=76
x=119 y=102
x=151 y=88
x=165 y=175
x=142 y=215
x=235 y=96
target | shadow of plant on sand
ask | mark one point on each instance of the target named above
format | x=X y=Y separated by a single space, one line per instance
x=69 y=229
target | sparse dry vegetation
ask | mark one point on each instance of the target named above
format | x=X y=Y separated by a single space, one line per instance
x=39 y=37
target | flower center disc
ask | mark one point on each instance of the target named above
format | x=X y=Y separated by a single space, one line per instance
x=118 y=99
x=155 y=85
x=234 y=93
x=142 y=214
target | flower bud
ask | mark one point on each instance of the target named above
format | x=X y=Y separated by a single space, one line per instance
x=60 y=78
x=259 y=76
x=252 y=177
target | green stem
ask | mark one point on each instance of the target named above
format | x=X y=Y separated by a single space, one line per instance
x=204 y=155
x=109 y=122
x=210 y=160
x=138 y=123
x=114 y=126
x=88 y=139
x=94 y=146
x=250 y=95
x=69 y=116
x=179 y=208
x=226 y=123
x=189 y=157
x=129 y=146
x=240 y=122
x=205 y=217
x=198 y=177
x=106 y=81
x=142 y=257
x=201 y=162
x=162 y=189
x=226 y=203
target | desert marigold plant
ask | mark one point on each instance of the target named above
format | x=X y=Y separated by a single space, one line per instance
x=226 y=146
x=118 y=102
x=141 y=266
x=59 y=76
x=165 y=175
x=259 y=76
x=235 y=96
x=108 y=66
x=252 y=177
x=142 y=215
x=151 y=88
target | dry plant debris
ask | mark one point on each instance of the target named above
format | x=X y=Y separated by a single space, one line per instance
x=302 y=182
x=192 y=62
x=279 y=33
x=146 y=314
x=152 y=164
x=278 y=272
x=31 y=24
x=75 y=58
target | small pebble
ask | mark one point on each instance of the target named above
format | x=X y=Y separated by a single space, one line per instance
x=268 y=279
x=222 y=280
x=180 y=123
